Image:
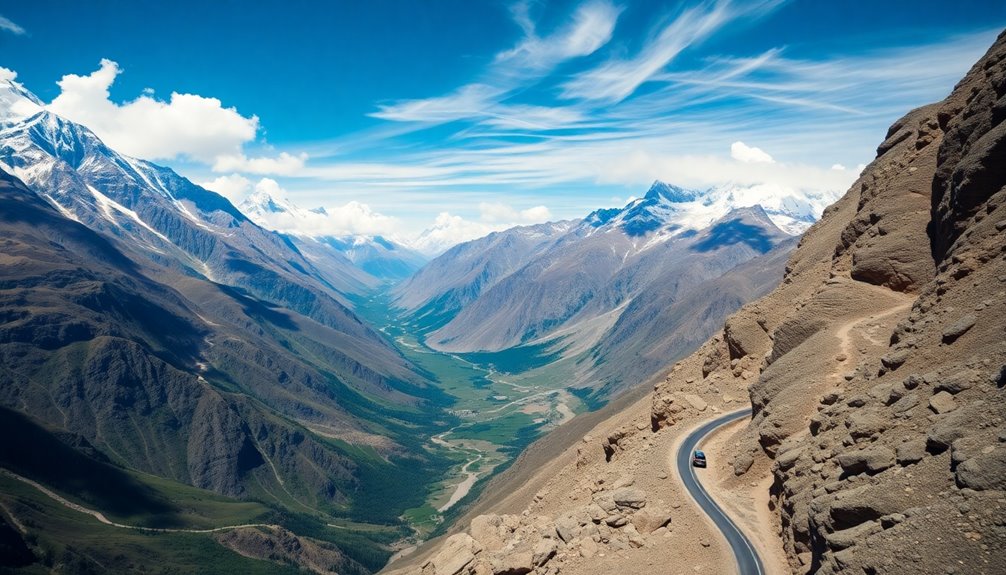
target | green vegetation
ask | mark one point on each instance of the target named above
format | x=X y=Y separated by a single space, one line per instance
x=518 y=359
x=58 y=535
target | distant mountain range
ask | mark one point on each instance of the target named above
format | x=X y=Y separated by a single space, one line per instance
x=618 y=294
x=382 y=258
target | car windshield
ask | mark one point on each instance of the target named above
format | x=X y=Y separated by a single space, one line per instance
x=700 y=455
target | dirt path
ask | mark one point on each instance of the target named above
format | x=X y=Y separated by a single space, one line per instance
x=747 y=503
x=102 y=519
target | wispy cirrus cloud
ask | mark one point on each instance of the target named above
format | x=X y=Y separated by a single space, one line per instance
x=8 y=25
x=589 y=28
x=617 y=79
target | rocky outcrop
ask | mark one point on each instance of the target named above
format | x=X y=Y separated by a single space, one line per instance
x=618 y=517
x=902 y=450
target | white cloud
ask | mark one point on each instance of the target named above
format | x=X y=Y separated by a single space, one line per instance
x=618 y=79
x=838 y=167
x=283 y=164
x=449 y=230
x=352 y=218
x=749 y=154
x=187 y=125
x=465 y=102
x=234 y=187
x=8 y=25
x=589 y=28
x=500 y=212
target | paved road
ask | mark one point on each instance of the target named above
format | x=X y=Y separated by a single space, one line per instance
x=748 y=562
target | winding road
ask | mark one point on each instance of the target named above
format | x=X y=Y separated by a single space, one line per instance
x=748 y=561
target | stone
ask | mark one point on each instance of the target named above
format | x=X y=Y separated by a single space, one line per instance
x=983 y=472
x=905 y=403
x=543 y=551
x=566 y=527
x=511 y=563
x=742 y=463
x=696 y=402
x=942 y=435
x=849 y=537
x=870 y=460
x=588 y=548
x=942 y=402
x=911 y=452
x=629 y=497
x=866 y=424
x=457 y=552
x=959 y=328
x=489 y=531
x=957 y=382
x=895 y=359
x=650 y=519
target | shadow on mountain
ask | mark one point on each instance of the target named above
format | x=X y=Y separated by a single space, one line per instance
x=260 y=310
x=734 y=232
x=36 y=453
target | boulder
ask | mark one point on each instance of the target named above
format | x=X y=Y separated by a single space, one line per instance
x=959 y=328
x=696 y=402
x=849 y=537
x=866 y=424
x=871 y=460
x=511 y=562
x=742 y=463
x=942 y=402
x=457 y=552
x=543 y=551
x=489 y=531
x=957 y=382
x=566 y=528
x=983 y=472
x=911 y=452
x=629 y=497
x=942 y=435
x=650 y=519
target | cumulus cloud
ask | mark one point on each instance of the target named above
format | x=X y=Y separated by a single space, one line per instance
x=352 y=218
x=186 y=125
x=838 y=167
x=749 y=154
x=8 y=25
x=234 y=187
x=284 y=164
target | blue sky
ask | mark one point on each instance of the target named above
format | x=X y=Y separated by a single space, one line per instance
x=494 y=112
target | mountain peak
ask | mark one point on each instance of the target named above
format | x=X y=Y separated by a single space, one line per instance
x=671 y=193
x=264 y=201
x=16 y=102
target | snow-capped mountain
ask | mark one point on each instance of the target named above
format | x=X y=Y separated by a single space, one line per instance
x=380 y=257
x=586 y=289
x=673 y=209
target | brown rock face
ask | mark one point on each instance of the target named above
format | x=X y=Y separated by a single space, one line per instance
x=902 y=451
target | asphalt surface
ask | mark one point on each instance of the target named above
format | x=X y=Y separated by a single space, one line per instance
x=748 y=562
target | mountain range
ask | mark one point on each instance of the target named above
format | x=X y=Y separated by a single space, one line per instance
x=383 y=259
x=618 y=294
x=149 y=322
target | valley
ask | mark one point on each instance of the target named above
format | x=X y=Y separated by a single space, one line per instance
x=502 y=401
